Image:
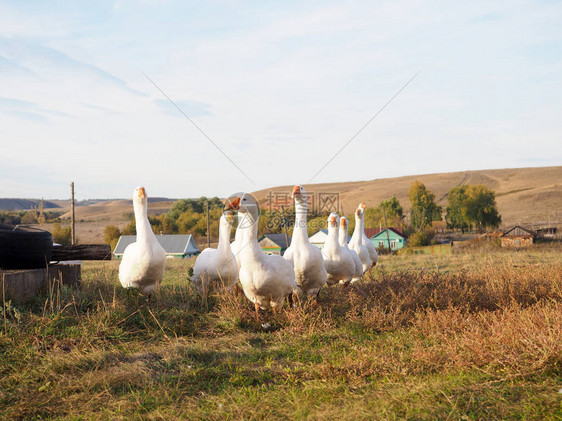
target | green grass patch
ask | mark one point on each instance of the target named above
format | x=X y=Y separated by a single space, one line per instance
x=466 y=336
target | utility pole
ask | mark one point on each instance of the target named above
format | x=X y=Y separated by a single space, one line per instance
x=72 y=217
x=208 y=230
x=386 y=225
x=285 y=226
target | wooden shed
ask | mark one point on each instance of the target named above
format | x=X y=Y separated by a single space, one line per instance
x=517 y=236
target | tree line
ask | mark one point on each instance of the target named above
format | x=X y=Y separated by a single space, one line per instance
x=469 y=207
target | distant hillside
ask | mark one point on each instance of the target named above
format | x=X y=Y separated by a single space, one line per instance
x=25 y=204
x=527 y=196
x=113 y=210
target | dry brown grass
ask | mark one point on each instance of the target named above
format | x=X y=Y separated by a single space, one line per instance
x=480 y=340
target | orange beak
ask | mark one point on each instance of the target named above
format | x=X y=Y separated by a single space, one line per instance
x=343 y=222
x=296 y=190
x=362 y=206
x=142 y=193
x=333 y=221
x=233 y=204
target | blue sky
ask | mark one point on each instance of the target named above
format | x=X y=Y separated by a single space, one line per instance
x=278 y=86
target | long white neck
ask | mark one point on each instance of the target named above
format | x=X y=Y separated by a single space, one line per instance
x=331 y=243
x=224 y=235
x=300 y=233
x=359 y=229
x=250 y=244
x=144 y=231
x=239 y=234
x=343 y=235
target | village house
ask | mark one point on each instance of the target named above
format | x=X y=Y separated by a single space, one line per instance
x=395 y=240
x=274 y=243
x=517 y=237
x=319 y=238
x=180 y=246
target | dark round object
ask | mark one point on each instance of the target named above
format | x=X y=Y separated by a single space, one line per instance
x=24 y=247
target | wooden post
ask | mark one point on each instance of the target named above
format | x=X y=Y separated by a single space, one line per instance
x=285 y=226
x=386 y=225
x=208 y=230
x=72 y=217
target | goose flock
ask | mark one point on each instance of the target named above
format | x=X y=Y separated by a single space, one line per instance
x=266 y=280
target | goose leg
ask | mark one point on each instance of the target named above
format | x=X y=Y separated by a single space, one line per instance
x=257 y=309
x=315 y=299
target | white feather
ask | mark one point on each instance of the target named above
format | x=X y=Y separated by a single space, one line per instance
x=143 y=262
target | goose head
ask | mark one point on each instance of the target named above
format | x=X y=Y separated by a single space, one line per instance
x=343 y=231
x=359 y=210
x=139 y=197
x=244 y=203
x=299 y=194
x=333 y=221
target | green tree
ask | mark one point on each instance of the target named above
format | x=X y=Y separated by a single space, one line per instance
x=130 y=228
x=30 y=217
x=374 y=217
x=456 y=209
x=155 y=224
x=424 y=209
x=61 y=235
x=111 y=235
x=480 y=207
x=194 y=205
x=186 y=221
x=421 y=238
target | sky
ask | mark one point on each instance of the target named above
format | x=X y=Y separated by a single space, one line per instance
x=269 y=92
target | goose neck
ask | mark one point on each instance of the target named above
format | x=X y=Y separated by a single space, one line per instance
x=343 y=236
x=144 y=231
x=300 y=232
x=359 y=225
x=224 y=236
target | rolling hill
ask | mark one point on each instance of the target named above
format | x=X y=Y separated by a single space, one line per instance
x=526 y=196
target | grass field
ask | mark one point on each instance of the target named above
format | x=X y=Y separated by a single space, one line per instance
x=474 y=335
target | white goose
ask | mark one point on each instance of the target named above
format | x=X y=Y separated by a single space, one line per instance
x=310 y=273
x=217 y=267
x=266 y=279
x=358 y=243
x=366 y=240
x=343 y=243
x=235 y=245
x=143 y=261
x=338 y=262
